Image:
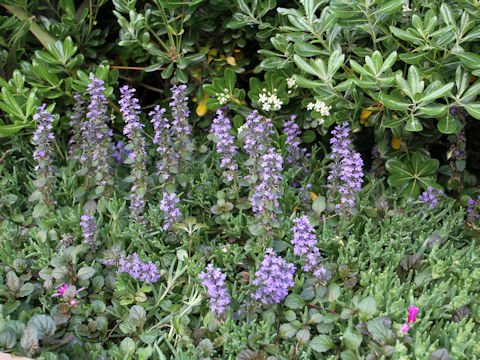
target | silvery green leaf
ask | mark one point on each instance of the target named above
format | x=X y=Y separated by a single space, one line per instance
x=138 y=316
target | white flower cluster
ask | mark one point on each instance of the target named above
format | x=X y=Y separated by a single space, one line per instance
x=269 y=100
x=223 y=97
x=320 y=107
x=406 y=8
x=291 y=84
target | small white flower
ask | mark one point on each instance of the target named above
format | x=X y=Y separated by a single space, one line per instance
x=406 y=7
x=291 y=83
x=310 y=106
x=266 y=107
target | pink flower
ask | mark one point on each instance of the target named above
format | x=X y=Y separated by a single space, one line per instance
x=413 y=311
x=61 y=290
x=405 y=328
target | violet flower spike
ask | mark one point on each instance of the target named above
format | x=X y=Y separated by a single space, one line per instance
x=89 y=225
x=305 y=246
x=273 y=279
x=143 y=271
x=220 y=129
x=43 y=138
x=346 y=174
x=169 y=207
x=214 y=280
x=133 y=130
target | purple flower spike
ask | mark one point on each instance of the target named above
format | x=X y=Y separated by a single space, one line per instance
x=214 y=280
x=170 y=210
x=139 y=270
x=273 y=279
x=43 y=138
x=295 y=154
x=89 y=225
x=346 y=174
x=430 y=197
x=225 y=143
x=133 y=130
x=305 y=246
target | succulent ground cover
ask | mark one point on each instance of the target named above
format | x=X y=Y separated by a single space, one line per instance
x=239 y=180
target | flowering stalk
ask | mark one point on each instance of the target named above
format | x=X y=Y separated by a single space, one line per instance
x=120 y=153
x=273 y=279
x=472 y=209
x=172 y=137
x=180 y=113
x=137 y=269
x=138 y=156
x=345 y=170
x=295 y=154
x=96 y=136
x=305 y=246
x=214 y=280
x=225 y=144
x=89 y=226
x=76 y=117
x=168 y=163
x=169 y=207
x=430 y=197
x=266 y=194
x=43 y=138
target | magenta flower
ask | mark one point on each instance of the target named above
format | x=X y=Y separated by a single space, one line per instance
x=413 y=311
x=404 y=328
x=61 y=290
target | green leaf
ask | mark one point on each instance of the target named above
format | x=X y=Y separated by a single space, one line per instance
x=319 y=204
x=470 y=60
x=389 y=61
x=390 y=7
x=367 y=307
x=379 y=330
x=39 y=210
x=6 y=130
x=308 y=136
x=412 y=58
x=352 y=338
x=442 y=91
x=449 y=124
x=230 y=79
x=25 y=290
x=447 y=14
x=138 y=315
x=294 y=301
x=86 y=273
x=473 y=109
x=472 y=91
x=404 y=35
x=271 y=63
x=413 y=124
x=304 y=65
x=307 y=83
x=322 y=343
x=335 y=61
x=306 y=49
x=393 y=103
x=287 y=331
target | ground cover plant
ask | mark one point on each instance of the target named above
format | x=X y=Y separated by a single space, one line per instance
x=240 y=179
